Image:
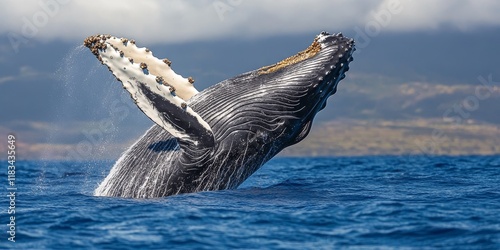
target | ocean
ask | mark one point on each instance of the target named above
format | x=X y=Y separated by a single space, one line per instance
x=378 y=202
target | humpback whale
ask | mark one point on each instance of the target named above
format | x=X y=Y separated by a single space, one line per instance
x=215 y=139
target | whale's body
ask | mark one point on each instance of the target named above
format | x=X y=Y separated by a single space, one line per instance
x=217 y=138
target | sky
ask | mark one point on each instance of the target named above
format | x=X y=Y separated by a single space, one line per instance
x=179 y=21
x=55 y=95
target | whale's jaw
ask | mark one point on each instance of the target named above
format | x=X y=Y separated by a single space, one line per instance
x=216 y=138
x=302 y=82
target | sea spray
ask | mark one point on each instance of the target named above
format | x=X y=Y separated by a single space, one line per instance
x=79 y=130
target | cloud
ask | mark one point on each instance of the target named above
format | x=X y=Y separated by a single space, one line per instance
x=6 y=79
x=25 y=72
x=464 y=15
x=178 y=21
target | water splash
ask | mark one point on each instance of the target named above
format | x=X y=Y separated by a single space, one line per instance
x=89 y=119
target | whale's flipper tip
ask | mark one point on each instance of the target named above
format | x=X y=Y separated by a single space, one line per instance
x=131 y=55
x=155 y=88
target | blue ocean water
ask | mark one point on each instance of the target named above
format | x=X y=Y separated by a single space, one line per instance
x=291 y=203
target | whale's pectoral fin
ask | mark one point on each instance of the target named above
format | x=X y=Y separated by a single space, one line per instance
x=156 y=89
x=124 y=54
x=171 y=113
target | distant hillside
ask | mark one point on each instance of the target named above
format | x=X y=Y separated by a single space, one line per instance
x=382 y=137
x=375 y=97
x=369 y=115
x=372 y=115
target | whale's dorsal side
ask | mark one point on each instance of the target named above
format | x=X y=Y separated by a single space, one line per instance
x=156 y=89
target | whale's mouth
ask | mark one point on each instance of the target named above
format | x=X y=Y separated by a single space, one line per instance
x=320 y=68
x=326 y=60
